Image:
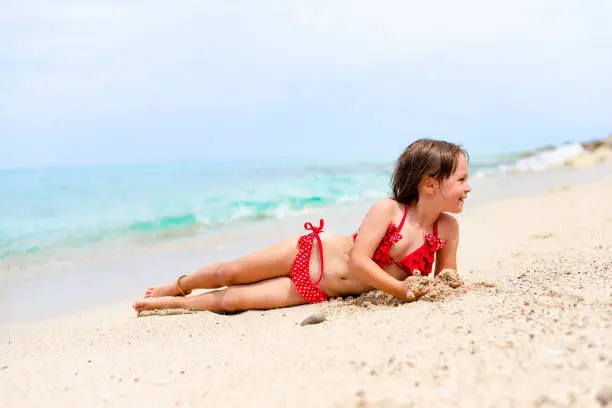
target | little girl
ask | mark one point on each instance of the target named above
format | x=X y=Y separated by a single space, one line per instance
x=398 y=236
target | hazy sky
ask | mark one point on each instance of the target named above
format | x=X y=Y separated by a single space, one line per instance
x=131 y=81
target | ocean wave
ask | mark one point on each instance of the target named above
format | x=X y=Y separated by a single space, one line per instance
x=163 y=223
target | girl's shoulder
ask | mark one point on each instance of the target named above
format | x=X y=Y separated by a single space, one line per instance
x=448 y=227
x=384 y=206
x=388 y=204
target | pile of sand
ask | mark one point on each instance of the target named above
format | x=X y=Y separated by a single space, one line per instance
x=443 y=287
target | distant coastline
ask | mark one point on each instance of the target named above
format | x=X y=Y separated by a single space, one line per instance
x=590 y=146
x=570 y=154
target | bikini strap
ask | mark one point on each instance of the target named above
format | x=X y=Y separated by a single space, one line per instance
x=435 y=228
x=401 y=224
x=315 y=232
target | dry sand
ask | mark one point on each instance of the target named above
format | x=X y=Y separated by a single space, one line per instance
x=531 y=327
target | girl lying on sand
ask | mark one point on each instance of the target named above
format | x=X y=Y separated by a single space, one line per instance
x=397 y=237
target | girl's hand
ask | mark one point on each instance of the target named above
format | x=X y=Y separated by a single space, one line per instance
x=413 y=287
x=455 y=284
x=450 y=277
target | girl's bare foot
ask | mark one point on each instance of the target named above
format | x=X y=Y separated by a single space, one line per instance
x=162 y=290
x=164 y=302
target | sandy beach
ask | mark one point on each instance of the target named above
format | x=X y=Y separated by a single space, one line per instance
x=532 y=327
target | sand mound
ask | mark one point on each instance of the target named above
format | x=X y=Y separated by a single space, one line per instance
x=444 y=286
x=448 y=275
x=442 y=289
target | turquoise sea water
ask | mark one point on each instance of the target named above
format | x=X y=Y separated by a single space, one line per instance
x=47 y=210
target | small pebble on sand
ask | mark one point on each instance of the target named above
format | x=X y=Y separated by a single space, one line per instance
x=313 y=319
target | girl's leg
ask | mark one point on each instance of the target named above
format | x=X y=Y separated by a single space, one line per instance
x=271 y=262
x=269 y=294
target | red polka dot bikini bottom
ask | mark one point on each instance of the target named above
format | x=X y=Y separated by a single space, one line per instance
x=300 y=270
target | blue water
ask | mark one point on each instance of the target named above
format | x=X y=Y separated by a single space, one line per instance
x=48 y=210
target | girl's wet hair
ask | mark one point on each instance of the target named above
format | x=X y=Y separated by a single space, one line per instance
x=423 y=158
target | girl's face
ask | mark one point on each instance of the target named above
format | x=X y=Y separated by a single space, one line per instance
x=454 y=189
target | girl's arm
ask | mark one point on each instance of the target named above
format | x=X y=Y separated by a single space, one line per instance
x=446 y=258
x=371 y=232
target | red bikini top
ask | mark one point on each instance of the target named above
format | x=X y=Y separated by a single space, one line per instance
x=422 y=258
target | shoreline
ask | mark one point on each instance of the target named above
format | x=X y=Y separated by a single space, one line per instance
x=108 y=281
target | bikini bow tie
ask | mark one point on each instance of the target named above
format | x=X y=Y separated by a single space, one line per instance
x=308 y=226
x=434 y=241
